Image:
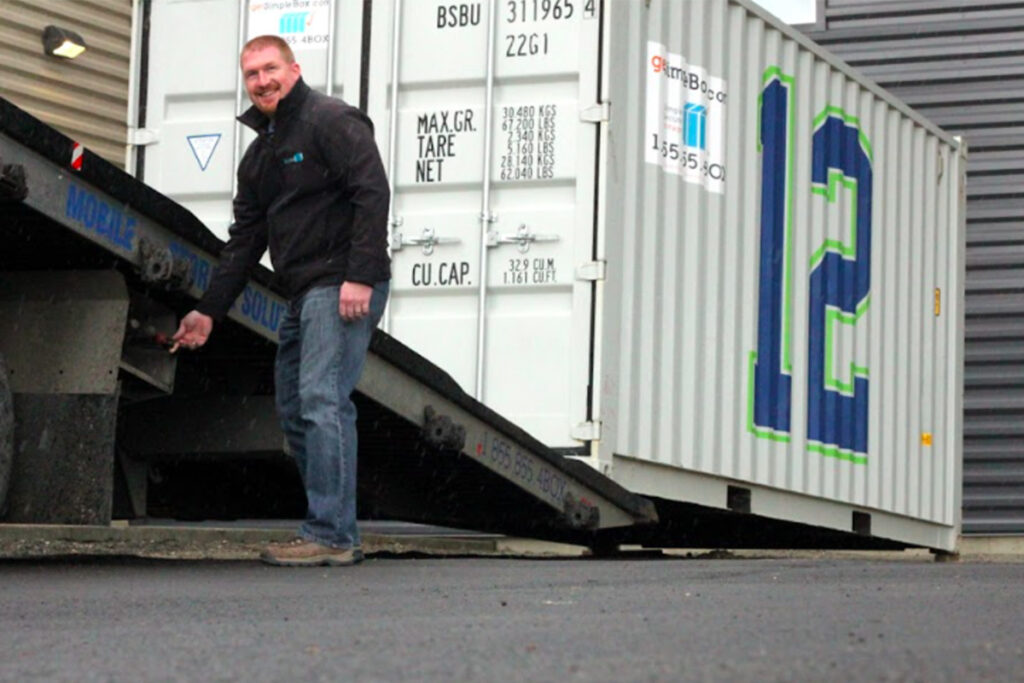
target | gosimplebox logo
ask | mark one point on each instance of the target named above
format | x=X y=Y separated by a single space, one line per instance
x=659 y=63
x=695 y=126
x=690 y=79
x=296 y=22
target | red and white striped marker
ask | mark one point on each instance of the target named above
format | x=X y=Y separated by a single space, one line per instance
x=76 y=156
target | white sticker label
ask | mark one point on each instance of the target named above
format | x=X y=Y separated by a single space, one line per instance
x=302 y=23
x=685 y=124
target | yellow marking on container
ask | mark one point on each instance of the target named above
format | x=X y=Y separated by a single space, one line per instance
x=938 y=302
x=926 y=438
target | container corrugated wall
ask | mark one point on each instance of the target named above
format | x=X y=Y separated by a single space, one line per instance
x=766 y=319
x=960 y=64
x=493 y=228
x=85 y=98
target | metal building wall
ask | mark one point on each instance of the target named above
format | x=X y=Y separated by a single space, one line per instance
x=961 y=64
x=85 y=98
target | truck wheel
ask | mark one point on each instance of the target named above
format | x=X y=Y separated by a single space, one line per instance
x=6 y=435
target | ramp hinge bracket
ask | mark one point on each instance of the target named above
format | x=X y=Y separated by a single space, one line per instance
x=592 y=271
x=587 y=431
x=13 y=185
x=162 y=268
x=441 y=431
x=597 y=113
x=141 y=137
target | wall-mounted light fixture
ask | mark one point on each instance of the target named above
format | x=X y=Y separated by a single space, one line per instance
x=62 y=43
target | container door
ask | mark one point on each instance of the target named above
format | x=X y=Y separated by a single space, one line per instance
x=508 y=242
x=193 y=91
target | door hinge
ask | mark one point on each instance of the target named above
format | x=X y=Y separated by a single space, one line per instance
x=141 y=136
x=592 y=271
x=597 y=113
x=586 y=431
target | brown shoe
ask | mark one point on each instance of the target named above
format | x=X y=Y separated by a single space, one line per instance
x=302 y=553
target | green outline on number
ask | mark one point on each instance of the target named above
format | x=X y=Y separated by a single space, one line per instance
x=833 y=316
x=787 y=289
x=831 y=193
x=768 y=433
x=851 y=120
x=837 y=453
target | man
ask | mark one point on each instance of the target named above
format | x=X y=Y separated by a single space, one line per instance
x=312 y=187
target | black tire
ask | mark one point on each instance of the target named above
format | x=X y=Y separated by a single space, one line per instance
x=6 y=435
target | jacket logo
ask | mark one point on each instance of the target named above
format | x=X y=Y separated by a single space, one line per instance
x=294 y=159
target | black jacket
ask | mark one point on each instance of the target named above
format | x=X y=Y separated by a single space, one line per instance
x=313 y=188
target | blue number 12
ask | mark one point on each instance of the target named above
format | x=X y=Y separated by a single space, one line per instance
x=839 y=281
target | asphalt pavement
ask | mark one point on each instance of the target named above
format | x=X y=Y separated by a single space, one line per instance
x=812 y=618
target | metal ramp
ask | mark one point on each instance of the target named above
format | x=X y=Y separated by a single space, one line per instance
x=438 y=456
x=428 y=451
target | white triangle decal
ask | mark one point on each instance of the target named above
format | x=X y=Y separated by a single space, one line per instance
x=203 y=147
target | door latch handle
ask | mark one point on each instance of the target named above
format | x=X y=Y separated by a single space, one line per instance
x=522 y=238
x=428 y=239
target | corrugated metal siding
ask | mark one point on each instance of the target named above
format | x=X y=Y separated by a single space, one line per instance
x=682 y=309
x=962 y=65
x=85 y=98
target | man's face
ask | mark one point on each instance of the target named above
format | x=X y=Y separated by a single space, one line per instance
x=268 y=77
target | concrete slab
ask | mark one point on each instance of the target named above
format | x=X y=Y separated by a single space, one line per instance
x=30 y=541
x=244 y=540
x=992 y=545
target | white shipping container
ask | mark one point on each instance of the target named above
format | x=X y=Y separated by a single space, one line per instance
x=673 y=238
x=494 y=198
x=681 y=239
x=193 y=87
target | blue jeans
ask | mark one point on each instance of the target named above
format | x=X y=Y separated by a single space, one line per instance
x=319 y=360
